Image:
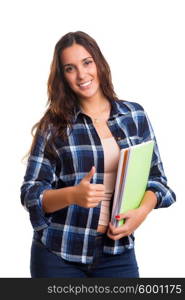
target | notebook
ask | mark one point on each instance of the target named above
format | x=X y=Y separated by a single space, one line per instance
x=131 y=180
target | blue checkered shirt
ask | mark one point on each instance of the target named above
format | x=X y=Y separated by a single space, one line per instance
x=70 y=232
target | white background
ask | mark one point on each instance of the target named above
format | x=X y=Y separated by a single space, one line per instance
x=143 y=42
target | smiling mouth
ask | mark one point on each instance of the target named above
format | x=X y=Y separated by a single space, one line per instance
x=87 y=83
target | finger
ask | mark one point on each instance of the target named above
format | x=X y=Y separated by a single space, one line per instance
x=95 y=199
x=98 y=187
x=97 y=194
x=90 y=174
x=116 y=236
x=113 y=229
x=122 y=216
x=118 y=230
x=92 y=204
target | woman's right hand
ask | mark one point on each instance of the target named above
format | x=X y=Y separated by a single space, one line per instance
x=87 y=194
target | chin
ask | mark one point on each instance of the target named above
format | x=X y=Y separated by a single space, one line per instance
x=87 y=96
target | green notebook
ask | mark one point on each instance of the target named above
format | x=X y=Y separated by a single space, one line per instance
x=132 y=176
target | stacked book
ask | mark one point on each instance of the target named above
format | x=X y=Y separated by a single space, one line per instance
x=132 y=176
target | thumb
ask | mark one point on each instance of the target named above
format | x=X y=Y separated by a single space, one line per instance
x=90 y=174
x=122 y=216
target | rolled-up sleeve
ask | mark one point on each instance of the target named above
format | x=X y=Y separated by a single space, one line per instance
x=39 y=176
x=157 y=181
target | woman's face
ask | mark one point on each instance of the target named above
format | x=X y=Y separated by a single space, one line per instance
x=80 y=72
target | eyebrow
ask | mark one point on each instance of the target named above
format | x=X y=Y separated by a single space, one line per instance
x=81 y=60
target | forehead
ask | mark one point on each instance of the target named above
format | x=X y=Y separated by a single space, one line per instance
x=74 y=54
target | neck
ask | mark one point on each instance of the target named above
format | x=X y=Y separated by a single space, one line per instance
x=93 y=105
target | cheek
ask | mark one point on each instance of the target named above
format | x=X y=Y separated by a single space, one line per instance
x=97 y=79
x=95 y=74
x=70 y=80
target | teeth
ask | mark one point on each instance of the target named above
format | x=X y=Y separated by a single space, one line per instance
x=85 y=84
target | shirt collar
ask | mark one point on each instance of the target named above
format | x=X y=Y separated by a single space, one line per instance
x=117 y=108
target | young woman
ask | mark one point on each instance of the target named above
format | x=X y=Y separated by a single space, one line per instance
x=70 y=178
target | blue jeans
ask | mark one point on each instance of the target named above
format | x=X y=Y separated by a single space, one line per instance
x=44 y=263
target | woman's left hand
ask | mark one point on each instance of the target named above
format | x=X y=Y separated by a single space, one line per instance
x=133 y=218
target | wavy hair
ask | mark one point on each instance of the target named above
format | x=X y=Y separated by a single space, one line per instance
x=61 y=98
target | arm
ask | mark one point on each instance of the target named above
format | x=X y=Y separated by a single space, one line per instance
x=157 y=194
x=133 y=218
x=148 y=202
x=39 y=176
x=40 y=194
x=51 y=199
x=157 y=181
x=84 y=194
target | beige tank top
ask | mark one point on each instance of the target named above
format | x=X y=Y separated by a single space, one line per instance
x=111 y=158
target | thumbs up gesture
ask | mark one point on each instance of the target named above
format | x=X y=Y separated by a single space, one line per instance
x=87 y=194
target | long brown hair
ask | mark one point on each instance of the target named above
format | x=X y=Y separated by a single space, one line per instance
x=61 y=98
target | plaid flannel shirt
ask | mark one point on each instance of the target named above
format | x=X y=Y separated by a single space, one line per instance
x=70 y=232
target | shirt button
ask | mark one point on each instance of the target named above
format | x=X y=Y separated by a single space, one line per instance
x=118 y=138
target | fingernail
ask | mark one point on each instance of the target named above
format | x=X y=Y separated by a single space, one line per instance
x=117 y=217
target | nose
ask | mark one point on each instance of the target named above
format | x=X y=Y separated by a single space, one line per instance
x=81 y=72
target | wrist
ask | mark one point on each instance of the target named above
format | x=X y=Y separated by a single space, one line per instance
x=144 y=210
x=148 y=203
x=72 y=195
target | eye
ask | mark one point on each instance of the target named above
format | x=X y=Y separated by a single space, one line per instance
x=87 y=62
x=69 y=69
